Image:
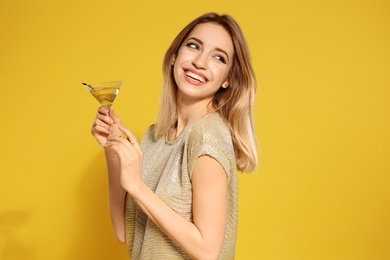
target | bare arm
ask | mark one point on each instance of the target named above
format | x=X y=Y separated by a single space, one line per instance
x=117 y=195
x=202 y=239
x=106 y=123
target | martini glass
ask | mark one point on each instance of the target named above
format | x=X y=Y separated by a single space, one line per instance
x=104 y=92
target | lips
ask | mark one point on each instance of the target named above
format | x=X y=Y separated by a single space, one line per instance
x=197 y=77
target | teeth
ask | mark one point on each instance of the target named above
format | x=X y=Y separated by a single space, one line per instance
x=196 y=76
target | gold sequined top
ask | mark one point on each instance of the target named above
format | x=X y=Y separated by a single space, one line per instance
x=167 y=168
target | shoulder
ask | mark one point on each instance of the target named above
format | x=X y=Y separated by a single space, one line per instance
x=211 y=136
x=149 y=135
x=151 y=129
x=214 y=119
x=211 y=128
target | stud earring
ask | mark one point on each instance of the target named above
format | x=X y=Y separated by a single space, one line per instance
x=225 y=85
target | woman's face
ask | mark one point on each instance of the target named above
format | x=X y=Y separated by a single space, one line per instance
x=203 y=61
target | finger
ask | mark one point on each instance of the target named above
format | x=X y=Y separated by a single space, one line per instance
x=114 y=117
x=115 y=138
x=99 y=126
x=114 y=130
x=105 y=118
x=130 y=136
x=132 y=139
x=98 y=129
x=122 y=146
x=103 y=110
x=119 y=138
x=122 y=140
x=127 y=153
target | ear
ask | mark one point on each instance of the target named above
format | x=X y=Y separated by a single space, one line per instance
x=225 y=84
x=173 y=60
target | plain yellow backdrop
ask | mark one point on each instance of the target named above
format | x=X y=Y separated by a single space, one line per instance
x=322 y=117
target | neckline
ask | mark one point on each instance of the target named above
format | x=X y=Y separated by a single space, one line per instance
x=179 y=137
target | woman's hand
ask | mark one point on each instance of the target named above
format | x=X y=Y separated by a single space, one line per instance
x=130 y=158
x=106 y=123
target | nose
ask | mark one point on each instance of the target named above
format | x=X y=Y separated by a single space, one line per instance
x=200 y=61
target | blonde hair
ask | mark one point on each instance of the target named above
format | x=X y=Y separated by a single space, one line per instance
x=234 y=103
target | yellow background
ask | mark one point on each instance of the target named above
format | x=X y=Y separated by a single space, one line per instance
x=322 y=116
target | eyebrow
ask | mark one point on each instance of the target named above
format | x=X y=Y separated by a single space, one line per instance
x=217 y=49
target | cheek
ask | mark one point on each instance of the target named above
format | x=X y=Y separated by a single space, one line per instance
x=178 y=72
x=221 y=74
x=226 y=74
x=175 y=73
x=182 y=55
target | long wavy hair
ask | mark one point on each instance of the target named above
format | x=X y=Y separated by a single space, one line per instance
x=234 y=103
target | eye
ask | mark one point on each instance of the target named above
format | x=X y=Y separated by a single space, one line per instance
x=221 y=58
x=192 y=45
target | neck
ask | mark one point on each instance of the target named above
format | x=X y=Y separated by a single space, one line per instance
x=188 y=114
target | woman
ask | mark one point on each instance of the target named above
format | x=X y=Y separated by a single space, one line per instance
x=174 y=196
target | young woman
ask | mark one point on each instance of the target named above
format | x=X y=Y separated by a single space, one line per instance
x=174 y=196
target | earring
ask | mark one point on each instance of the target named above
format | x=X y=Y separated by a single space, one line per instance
x=225 y=85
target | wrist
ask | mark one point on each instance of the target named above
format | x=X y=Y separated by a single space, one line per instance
x=136 y=189
x=110 y=154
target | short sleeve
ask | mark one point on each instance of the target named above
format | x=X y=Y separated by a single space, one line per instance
x=212 y=137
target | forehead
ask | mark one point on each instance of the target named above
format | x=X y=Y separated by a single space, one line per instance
x=213 y=35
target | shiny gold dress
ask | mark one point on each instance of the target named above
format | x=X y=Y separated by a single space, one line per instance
x=167 y=168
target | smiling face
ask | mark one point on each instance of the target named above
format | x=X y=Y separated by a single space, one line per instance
x=202 y=63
